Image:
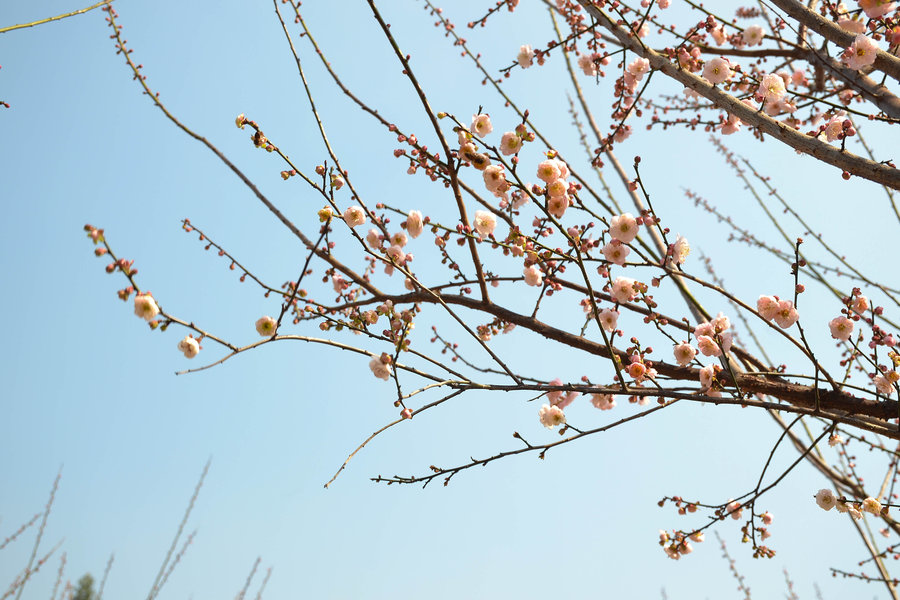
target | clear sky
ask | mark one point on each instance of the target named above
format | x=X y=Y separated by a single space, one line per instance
x=88 y=389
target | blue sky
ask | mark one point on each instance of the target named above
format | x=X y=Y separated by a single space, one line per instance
x=89 y=389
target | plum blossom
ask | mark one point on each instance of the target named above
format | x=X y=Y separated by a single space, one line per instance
x=533 y=275
x=860 y=304
x=638 y=68
x=559 y=398
x=399 y=239
x=551 y=416
x=877 y=8
x=734 y=509
x=145 y=306
x=616 y=252
x=414 y=223
x=609 y=318
x=587 y=65
x=623 y=227
x=717 y=70
x=510 y=143
x=373 y=239
x=495 y=180
x=708 y=346
x=355 y=215
x=481 y=125
x=380 y=368
x=265 y=326
x=767 y=307
x=835 y=440
x=708 y=375
x=525 y=58
x=871 y=505
x=771 y=88
x=548 y=171
x=603 y=401
x=841 y=328
x=623 y=289
x=767 y=518
x=786 y=315
x=826 y=499
x=557 y=206
x=680 y=250
x=189 y=346
x=753 y=35
x=861 y=53
x=883 y=384
x=684 y=353
x=485 y=222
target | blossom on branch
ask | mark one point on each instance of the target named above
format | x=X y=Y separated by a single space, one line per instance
x=145 y=306
x=189 y=346
x=266 y=326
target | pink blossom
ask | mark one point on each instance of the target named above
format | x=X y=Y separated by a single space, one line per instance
x=557 y=188
x=623 y=289
x=533 y=275
x=337 y=181
x=851 y=25
x=189 y=346
x=623 y=227
x=717 y=70
x=841 y=328
x=771 y=88
x=721 y=323
x=399 y=239
x=603 y=401
x=339 y=283
x=786 y=315
x=684 y=353
x=609 y=318
x=826 y=499
x=767 y=518
x=548 y=171
x=883 y=385
x=396 y=253
x=638 y=68
x=510 y=143
x=708 y=375
x=525 y=58
x=719 y=36
x=485 y=222
x=414 y=223
x=835 y=440
x=680 y=250
x=355 y=215
x=616 y=252
x=834 y=129
x=753 y=35
x=373 y=239
x=734 y=509
x=860 y=304
x=380 y=369
x=481 y=125
x=708 y=346
x=871 y=505
x=551 y=416
x=587 y=65
x=877 y=8
x=861 y=53
x=706 y=328
x=767 y=307
x=495 y=179
x=145 y=306
x=265 y=326
x=557 y=206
